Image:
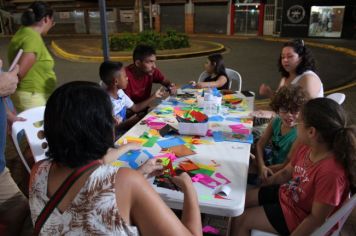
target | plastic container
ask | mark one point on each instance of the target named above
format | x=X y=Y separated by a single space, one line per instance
x=199 y=129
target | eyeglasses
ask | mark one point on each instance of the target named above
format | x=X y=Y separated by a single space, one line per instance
x=286 y=110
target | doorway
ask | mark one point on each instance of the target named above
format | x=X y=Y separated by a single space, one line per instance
x=246 y=18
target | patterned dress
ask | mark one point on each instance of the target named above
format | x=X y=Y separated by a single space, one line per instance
x=92 y=212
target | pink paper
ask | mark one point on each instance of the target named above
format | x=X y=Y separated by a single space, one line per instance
x=169 y=155
x=206 y=180
x=221 y=176
x=156 y=125
x=240 y=129
x=210 y=229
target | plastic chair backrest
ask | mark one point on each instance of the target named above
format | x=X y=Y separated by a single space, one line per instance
x=232 y=74
x=337 y=97
x=30 y=127
x=339 y=217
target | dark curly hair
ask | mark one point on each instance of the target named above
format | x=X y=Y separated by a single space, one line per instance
x=78 y=124
x=307 y=62
x=291 y=98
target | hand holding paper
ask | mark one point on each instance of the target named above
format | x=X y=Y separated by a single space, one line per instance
x=152 y=167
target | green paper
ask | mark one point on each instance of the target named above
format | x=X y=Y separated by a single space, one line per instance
x=151 y=141
x=205 y=197
x=203 y=171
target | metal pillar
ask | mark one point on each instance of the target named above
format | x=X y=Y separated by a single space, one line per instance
x=104 y=30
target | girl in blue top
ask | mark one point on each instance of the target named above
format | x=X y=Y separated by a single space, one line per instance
x=281 y=131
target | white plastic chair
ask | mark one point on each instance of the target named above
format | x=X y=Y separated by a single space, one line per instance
x=232 y=74
x=337 y=97
x=339 y=217
x=30 y=127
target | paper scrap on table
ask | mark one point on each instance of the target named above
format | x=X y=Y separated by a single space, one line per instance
x=210 y=230
x=206 y=180
x=151 y=142
x=181 y=150
x=131 y=139
x=188 y=165
x=216 y=118
x=171 y=142
x=240 y=129
x=205 y=197
x=156 y=125
x=223 y=190
x=135 y=158
x=220 y=136
x=221 y=176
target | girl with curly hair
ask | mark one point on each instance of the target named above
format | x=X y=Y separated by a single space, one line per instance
x=297 y=66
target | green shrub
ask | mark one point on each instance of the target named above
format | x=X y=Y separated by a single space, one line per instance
x=128 y=41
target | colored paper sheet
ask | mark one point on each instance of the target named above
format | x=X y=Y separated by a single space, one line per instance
x=203 y=171
x=205 y=197
x=171 y=142
x=216 y=118
x=136 y=158
x=188 y=166
x=217 y=196
x=211 y=167
x=221 y=176
x=181 y=151
x=156 y=125
x=233 y=119
x=154 y=132
x=240 y=129
x=220 y=136
x=206 y=180
x=211 y=230
x=131 y=157
x=151 y=142
x=131 y=139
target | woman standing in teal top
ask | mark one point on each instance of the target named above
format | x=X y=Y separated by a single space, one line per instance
x=37 y=77
x=281 y=130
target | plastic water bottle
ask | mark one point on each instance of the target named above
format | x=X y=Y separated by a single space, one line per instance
x=208 y=97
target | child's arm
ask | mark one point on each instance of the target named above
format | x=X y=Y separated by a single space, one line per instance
x=262 y=169
x=142 y=105
x=314 y=220
x=278 y=167
x=214 y=84
x=281 y=176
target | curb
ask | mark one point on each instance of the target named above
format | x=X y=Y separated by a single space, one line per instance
x=83 y=58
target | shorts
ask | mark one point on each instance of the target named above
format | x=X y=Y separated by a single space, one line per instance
x=268 y=197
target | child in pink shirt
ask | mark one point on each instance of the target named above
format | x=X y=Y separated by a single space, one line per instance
x=298 y=199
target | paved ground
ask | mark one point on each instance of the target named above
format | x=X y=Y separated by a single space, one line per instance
x=256 y=60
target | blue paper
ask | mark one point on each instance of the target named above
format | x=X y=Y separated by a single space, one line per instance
x=136 y=158
x=216 y=118
x=171 y=142
x=233 y=119
x=220 y=136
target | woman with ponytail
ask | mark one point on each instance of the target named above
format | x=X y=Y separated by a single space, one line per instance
x=322 y=172
x=36 y=75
